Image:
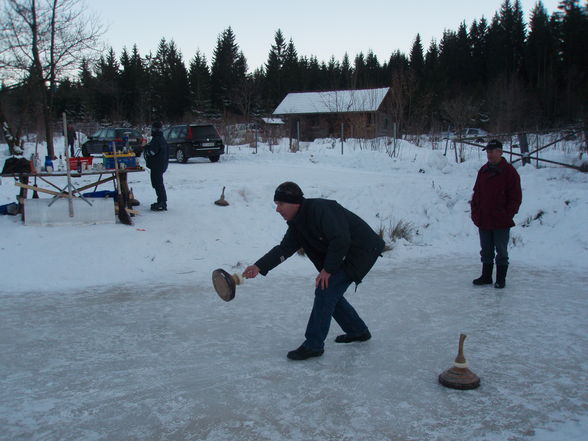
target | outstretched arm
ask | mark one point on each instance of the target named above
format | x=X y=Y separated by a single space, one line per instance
x=251 y=272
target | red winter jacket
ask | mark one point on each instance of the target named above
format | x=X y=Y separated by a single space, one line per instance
x=497 y=196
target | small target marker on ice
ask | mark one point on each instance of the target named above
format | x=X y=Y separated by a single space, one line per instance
x=225 y=284
x=459 y=376
x=222 y=201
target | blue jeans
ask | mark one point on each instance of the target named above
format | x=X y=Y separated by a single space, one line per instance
x=331 y=303
x=494 y=240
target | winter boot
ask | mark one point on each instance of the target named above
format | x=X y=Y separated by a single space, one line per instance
x=486 y=277
x=346 y=338
x=501 y=276
x=302 y=353
x=157 y=206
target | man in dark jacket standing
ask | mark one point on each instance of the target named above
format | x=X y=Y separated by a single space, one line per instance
x=496 y=199
x=156 y=158
x=342 y=247
x=71 y=140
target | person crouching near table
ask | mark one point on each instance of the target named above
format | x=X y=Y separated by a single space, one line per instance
x=342 y=247
x=156 y=159
x=496 y=199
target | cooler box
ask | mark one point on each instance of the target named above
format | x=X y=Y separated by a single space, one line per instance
x=125 y=160
x=85 y=160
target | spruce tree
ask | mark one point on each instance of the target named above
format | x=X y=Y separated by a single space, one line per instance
x=177 y=89
x=359 y=72
x=132 y=85
x=274 y=87
x=223 y=75
x=541 y=65
x=346 y=73
x=333 y=73
x=372 y=70
x=107 y=91
x=478 y=38
x=417 y=61
x=199 y=78
x=291 y=69
x=159 y=76
x=573 y=29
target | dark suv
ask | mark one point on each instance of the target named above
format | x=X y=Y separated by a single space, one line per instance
x=102 y=139
x=194 y=140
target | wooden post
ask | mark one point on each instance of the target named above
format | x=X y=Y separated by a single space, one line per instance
x=342 y=135
x=524 y=147
x=455 y=148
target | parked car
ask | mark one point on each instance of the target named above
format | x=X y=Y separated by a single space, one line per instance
x=194 y=140
x=471 y=133
x=101 y=140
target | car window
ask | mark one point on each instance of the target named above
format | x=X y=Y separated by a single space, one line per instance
x=168 y=133
x=129 y=132
x=108 y=133
x=204 y=132
x=97 y=133
x=174 y=133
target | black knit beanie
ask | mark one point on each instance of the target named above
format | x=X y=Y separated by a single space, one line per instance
x=289 y=192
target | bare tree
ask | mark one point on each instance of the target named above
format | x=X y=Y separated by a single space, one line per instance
x=44 y=40
x=12 y=139
x=460 y=110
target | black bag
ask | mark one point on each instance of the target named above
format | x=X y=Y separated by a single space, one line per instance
x=16 y=165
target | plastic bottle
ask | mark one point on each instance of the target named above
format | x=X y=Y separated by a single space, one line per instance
x=38 y=165
x=48 y=164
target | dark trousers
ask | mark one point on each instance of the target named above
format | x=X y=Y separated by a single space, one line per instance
x=157 y=184
x=331 y=303
x=72 y=150
x=494 y=242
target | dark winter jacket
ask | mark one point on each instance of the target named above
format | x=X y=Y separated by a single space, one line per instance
x=497 y=196
x=157 y=152
x=332 y=237
x=71 y=136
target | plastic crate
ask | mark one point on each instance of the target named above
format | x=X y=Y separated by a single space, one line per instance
x=125 y=160
x=86 y=162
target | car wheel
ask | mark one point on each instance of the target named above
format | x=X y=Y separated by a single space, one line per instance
x=85 y=151
x=181 y=156
x=214 y=158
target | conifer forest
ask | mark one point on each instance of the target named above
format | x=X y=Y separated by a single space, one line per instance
x=500 y=72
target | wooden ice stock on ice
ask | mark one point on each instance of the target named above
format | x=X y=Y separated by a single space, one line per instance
x=459 y=376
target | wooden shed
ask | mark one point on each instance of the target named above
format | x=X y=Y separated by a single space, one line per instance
x=357 y=113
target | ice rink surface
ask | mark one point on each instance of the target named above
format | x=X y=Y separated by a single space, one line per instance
x=177 y=363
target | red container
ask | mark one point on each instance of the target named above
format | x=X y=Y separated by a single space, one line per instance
x=85 y=160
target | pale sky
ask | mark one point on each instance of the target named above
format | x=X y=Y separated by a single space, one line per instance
x=323 y=28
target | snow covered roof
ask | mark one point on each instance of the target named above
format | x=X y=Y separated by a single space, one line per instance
x=273 y=120
x=337 y=101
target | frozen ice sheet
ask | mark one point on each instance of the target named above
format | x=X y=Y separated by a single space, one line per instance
x=177 y=363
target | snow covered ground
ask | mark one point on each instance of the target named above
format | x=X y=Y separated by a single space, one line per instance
x=111 y=332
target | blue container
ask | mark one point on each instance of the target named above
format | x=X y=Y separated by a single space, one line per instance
x=48 y=163
x=101 y=194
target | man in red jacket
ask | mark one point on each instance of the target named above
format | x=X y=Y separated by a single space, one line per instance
x=496 y=199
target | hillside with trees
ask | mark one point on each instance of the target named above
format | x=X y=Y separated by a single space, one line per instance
x=500 y=72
